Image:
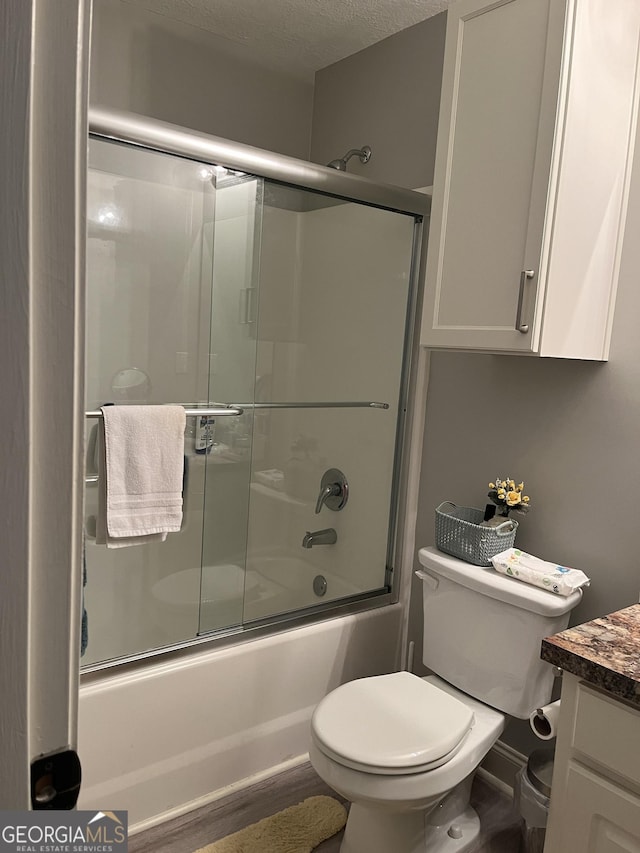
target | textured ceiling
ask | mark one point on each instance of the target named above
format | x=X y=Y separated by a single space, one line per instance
x=298 y=36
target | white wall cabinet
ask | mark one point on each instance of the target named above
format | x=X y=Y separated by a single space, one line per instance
x=595 y=797
x=535 y=142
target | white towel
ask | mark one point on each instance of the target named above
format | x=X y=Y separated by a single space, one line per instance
x=141 y=474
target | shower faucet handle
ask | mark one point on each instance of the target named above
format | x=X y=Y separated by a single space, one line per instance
x=334 y=491
x=329 y=491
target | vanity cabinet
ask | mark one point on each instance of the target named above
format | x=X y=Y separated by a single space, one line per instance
x=595 y=794
x=533 y=160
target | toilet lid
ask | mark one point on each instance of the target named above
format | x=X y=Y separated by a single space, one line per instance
x=391 y=723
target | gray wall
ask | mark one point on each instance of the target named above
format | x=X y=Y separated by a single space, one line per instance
x=148 y=64
x=570 y=430
x=386 y=96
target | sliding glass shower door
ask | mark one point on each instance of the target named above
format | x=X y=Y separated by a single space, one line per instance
x=334 y=287
x=209 y=286
x=169 y=255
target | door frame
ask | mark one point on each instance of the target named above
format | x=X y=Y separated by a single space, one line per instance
x=44 y=54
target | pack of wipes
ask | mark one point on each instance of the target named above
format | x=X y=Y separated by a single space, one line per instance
x=524 y=567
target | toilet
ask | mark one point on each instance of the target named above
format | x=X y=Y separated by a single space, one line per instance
x=404 y=749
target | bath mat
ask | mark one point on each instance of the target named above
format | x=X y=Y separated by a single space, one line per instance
x=297 y=829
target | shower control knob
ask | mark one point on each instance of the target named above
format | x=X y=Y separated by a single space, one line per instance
x=455 y=831
x=334 y=491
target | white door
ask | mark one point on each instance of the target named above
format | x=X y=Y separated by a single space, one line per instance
x=44 y=48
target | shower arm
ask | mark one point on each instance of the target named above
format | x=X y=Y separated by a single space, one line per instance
x=340 y=163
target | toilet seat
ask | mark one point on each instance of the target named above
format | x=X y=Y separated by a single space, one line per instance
x=390 y=724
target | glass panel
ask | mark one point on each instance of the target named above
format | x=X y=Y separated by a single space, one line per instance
x=232 y=378
x=206 y=285
x=334 y=285
x=150 y=218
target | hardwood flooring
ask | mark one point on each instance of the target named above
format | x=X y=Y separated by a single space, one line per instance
x=501 y=832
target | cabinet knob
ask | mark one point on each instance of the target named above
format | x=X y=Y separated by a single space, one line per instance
x=525 y=275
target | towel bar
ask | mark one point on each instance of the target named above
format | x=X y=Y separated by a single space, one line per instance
x=219 y=412
x=236 y=409
x=321 y=405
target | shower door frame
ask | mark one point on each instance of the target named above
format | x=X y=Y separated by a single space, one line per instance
x=151 y=134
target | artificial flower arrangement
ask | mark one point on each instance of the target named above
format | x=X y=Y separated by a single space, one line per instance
x=507 y=496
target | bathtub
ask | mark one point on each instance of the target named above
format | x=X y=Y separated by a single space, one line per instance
x=225 y=595
x=163 y=738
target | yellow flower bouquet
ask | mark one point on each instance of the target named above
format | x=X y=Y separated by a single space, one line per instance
x=508 y=496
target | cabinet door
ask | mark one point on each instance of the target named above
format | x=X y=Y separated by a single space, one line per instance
x=597 y=816
x=497 y=119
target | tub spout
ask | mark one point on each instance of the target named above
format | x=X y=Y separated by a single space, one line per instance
x=320 y=537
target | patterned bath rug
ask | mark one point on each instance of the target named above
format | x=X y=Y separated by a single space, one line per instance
x=297 y=829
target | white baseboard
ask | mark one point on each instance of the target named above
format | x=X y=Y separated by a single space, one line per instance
x=500 y=767
x=198 y=803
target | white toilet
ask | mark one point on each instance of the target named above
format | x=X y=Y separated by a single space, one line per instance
x=404 y=749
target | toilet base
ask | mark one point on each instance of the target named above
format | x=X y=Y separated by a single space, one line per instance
x=438 y=840
x=431 y=830
x=372 y=831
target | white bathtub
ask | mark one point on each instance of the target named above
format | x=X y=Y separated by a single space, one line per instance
x=165 y=738
x=226 y=595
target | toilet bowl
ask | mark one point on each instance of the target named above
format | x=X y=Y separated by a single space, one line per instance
x=404 y=749
x=406 y=764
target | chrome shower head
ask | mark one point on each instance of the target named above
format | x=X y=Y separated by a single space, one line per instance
x=363 y=154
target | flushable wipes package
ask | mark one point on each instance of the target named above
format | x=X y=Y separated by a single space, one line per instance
x=524 y=567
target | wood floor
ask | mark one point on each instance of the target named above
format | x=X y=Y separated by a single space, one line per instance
x=501 y=832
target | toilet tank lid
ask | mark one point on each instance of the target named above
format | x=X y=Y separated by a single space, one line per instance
x=501 y=587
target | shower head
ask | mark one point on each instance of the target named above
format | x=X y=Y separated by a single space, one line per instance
x=363 y=154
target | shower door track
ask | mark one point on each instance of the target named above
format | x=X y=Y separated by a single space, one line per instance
x=194 y=145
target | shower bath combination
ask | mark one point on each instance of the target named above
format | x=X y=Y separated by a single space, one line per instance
x=223 y=295
x=220 y=293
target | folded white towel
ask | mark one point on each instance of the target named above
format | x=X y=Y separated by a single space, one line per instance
x=141 y=477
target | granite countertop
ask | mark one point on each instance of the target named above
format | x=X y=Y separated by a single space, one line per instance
x=605 y=652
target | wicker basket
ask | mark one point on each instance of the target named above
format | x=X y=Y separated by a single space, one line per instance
x=460 y=533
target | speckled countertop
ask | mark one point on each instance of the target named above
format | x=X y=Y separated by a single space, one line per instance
x=605 y=652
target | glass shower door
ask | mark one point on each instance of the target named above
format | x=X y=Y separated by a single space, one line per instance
x=208 y=286
x=169 y=320
x=334 y=290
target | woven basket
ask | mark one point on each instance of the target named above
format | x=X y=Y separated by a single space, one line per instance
x=460 y=533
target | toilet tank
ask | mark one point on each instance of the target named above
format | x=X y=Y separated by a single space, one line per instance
x=483 y=630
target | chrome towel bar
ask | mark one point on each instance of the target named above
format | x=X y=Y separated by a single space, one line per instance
x=219 y=411
x=236 y=409
x=324 y=405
